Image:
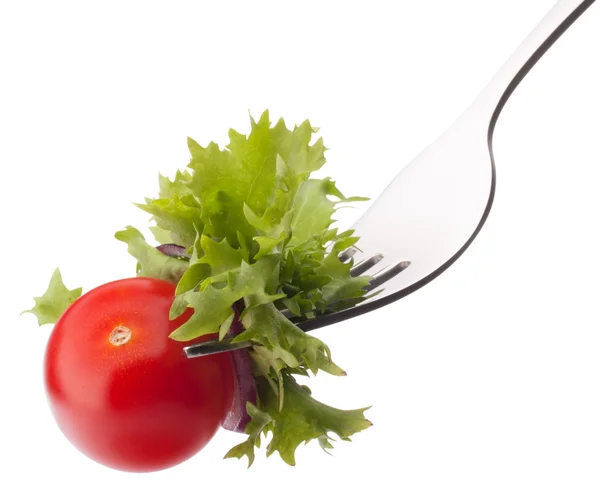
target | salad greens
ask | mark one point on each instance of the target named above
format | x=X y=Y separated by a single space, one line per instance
x=258 y=235
x=57 y=298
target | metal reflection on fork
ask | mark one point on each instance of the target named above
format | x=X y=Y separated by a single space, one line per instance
x=436 y=206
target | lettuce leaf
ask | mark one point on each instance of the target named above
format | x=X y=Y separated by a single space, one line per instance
x=258 y=228
x=300 y=420
x=53 y=303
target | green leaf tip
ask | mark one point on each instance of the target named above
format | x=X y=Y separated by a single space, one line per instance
x=55 y=301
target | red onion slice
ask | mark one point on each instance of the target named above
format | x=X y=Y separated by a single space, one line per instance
x=244 y=391
x=173 y=250
x=244 y=386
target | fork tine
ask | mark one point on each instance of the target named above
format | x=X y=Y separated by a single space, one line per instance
x=363 y=266
x=344 y=256
x=287 y=312
x=386 y=274
x=213 y=347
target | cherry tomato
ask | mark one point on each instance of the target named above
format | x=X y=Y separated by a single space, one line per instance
x=121 y=390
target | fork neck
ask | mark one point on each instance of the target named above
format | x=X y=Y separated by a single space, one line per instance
x=492 y=99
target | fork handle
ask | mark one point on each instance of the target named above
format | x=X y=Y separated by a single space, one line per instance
x=492 y=99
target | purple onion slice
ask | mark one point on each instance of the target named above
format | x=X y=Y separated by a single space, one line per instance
x=244 y=386
x=173 y=250
x=244 y=390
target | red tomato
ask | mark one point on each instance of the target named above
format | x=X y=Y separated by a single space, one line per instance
x=122 y=391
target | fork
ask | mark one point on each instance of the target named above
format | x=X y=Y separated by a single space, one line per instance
x=439 y=202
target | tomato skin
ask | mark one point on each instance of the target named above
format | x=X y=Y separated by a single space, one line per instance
x=141 y=406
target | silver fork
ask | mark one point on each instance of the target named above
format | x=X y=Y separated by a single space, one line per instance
x=439 y=202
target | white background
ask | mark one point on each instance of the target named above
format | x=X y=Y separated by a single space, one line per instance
x=484 y=384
